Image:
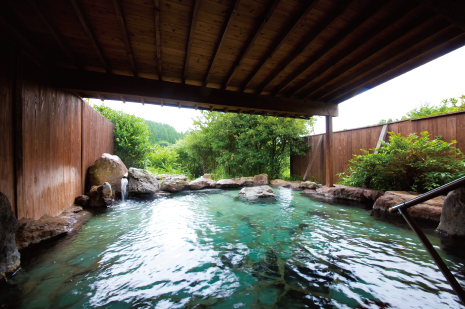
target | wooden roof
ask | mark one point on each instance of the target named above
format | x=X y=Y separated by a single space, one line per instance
x=285 y=57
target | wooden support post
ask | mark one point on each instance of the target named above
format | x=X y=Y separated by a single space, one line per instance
x=329 y=151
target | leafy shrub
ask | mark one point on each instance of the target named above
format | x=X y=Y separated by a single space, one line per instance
x=164 y=160
x=406 y=163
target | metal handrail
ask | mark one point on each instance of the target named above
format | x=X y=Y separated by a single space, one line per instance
x=402 y=209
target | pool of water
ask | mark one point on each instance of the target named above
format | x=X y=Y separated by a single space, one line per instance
x=198 y=250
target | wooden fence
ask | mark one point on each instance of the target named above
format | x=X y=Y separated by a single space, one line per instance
x=49 y=137
x=348 y=143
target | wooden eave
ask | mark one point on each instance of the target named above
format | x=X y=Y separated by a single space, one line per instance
x=265 y=48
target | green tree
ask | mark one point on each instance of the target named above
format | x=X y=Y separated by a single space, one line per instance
x=162 y=134
x=407 y=163
x=132 y=143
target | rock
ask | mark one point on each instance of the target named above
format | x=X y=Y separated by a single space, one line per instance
x=201 y=183
x=82 y=200
x=142 y=182
x=107 y=168
x=248 y=181
x=294 y=185
x=207 y=176
x=231 y=183
x=350 y=193
x=429 y=211
x=308 y=185
x=173 y=183
x=452 y=221
x=9 y=255
x=34 y=231
x=100 y=196
x=257 y=191
x=163 y=194
x=261 y=179
x=308 y=192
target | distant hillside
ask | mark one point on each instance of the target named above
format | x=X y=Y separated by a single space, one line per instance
x=162 y=132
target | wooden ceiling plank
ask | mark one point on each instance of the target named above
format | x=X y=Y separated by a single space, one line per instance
x=56 y=33
x=413 y=43
x=226 y=27
x=125 y=36
x=451 y=10
x=279 y=42
x=158 y=37
x=375 y=7
x=114 y=86
x=373 y=33
x=308 y=42
x=78 y=8
x=264 y=18
x=191 y=38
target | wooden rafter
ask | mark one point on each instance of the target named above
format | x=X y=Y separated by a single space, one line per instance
x=452 y=10
x=363 y=40
x=125 y=36
x=444 y=35
x=279 y=42
x=374 y=63
x=59 y=37
x=376 y=6
x=308 y=42
x=191 y=38
x=226 y=28
x=158 y=36
x=251 y=41
x=90 y=33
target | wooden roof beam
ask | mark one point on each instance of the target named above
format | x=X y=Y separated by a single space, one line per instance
x=373 y=33
x=444 y=34
x=78 y=8
x=308 y=42
x=158 y=36
x=191 y=38
x=227 y=26
x=375 y=7
x=452 y=10
x=112 y=85
x=59 y=37
x=125 y=36
x=264 y=18
x=279 y=42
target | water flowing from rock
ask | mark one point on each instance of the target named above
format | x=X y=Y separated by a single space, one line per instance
x=124 y=185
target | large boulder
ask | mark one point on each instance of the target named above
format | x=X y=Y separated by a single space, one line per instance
x=142 y=182
x=100 y=196
x=82 y=200
x=9 y=255
x=248 y=181
x=230 y=183
x=257 y=192
x=259 y=180
x=107 y=168
x=308 y=185
x=350 y=193
x=452 y=221
x=173 y=183
x=201 y=183
x=429 y=211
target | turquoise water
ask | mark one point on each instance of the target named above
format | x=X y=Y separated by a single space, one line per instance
x=217 y=251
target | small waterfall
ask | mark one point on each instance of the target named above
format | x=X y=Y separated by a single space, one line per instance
x=124 y=185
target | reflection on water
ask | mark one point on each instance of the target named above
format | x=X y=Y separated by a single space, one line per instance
x=217 y=251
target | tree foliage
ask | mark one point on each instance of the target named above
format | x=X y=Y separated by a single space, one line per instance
x=413 y=162
x=163 y=134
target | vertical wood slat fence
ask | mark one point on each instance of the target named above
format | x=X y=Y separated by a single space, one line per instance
x=48 y=139
x=348 y=143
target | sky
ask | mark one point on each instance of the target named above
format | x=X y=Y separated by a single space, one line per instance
x=433 y=82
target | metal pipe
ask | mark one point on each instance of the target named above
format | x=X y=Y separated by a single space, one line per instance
x=434 y=255
x=429 y=195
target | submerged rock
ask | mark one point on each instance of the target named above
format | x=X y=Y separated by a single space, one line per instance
x=201 y=183
x=107 y=168
x=142 y=182
x=231 y=183
x=34 y=231
x=255 y=192
x=100 y=196
x=350 y=193
x=261 y=179
x=9 y=255
x=429 y=211
x=173 y=183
